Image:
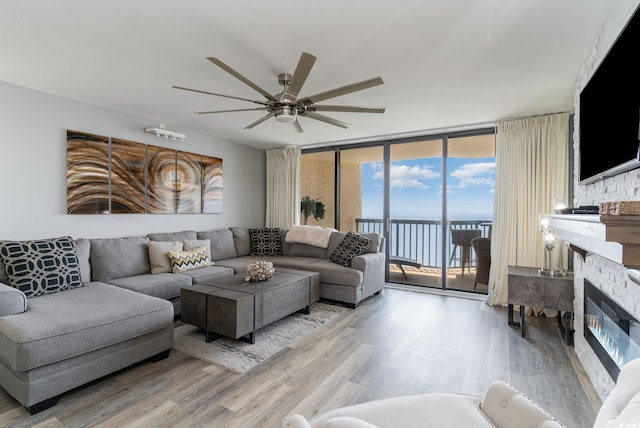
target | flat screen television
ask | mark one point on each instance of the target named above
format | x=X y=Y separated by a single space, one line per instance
x=610 y=110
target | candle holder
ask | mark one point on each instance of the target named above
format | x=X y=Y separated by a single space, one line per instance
x=549 y=238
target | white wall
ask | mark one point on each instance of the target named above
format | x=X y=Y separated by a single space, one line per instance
x=33 y=171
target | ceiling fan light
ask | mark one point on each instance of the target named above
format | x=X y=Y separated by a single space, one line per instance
x=286 y=114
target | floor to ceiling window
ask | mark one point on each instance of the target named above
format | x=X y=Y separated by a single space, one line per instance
x=428 y=196
x=318 y=189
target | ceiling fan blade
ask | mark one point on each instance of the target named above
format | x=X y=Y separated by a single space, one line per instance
x=305 y=63
x=259 y=121
x=220 y=95
x=240 y=77
x=326 y=119
x=229 y=111
x=354 y=87
x=296 y=124
x=348 y=109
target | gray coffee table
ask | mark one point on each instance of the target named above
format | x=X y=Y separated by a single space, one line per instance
x=236 y=308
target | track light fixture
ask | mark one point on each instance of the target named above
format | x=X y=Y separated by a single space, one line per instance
x=162 y=132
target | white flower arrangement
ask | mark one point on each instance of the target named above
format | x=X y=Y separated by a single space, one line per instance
x=259 y=271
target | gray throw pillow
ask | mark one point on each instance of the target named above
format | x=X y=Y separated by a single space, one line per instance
x=241 y=241
x=352 y=245
x=41 y=267
x=266 y=242
x=222 y=245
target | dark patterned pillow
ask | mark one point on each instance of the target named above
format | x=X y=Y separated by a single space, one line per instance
x=352 y=245
x=266 y=242
x=41 y=267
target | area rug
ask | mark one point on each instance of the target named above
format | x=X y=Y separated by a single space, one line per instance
x=239 y=356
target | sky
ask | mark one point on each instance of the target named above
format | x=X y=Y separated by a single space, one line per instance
x=416 y=189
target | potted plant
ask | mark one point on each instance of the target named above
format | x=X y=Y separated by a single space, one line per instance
x=312 y=207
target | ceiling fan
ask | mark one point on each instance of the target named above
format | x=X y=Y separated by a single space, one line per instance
x=286 y=106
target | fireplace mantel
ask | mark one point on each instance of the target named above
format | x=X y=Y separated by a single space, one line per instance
x=613 y=237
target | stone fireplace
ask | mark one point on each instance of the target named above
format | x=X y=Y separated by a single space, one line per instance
x=605 y=249
x=605 y=271
x=612 y=279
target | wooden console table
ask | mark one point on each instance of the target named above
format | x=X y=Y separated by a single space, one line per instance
x=528 y=287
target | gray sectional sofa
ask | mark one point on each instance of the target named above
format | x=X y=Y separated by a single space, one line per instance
x=119 y=313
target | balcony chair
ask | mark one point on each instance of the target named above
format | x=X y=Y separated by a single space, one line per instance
x=502 y=406
x=482 y=248
x=462 y=238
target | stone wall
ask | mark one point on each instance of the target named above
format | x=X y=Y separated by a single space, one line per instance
x=610 y=277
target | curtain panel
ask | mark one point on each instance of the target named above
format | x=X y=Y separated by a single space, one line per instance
x=532 y=168
x=283 y=187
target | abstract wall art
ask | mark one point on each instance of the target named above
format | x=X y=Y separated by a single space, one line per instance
x=161 y=180
x=87 y=173
x=113 y=176
x=127 y=177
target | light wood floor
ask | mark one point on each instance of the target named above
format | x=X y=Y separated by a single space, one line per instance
x=398 y=343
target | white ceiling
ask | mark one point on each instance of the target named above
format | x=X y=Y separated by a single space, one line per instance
x=447 y=64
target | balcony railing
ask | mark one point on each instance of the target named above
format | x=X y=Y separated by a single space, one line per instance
x=421 y=240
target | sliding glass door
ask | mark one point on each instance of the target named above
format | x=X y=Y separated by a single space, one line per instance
x=415 y=213
x=470 y=183
x=429 y=197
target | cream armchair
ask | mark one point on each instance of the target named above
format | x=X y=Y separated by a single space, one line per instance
x=502 y=406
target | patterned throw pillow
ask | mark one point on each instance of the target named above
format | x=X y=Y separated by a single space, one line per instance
x=266 y=242
x=159 y=255
x=182 y=261
x=352 y=245
x=41 y=267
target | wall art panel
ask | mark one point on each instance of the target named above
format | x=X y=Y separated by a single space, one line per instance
x=188 y=183
x=87 y=173
x=212 y=185
x=128 y=193
x=161 y=180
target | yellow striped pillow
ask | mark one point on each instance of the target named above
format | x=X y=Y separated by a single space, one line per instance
x=182 y=261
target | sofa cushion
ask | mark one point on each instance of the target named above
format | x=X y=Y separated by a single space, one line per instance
x=351 y=246
x=162 y=285
x=83 y=251
x=222 y=245
x=159 y=255
x=42 y=266
x=63 y=325
x=333 y=273
x=182 y=261
x=192 y=244
x=172 y=236
x=238 y=264
x=304 y=250
x=113 y=258
x=266 y=241
x=241 y=241
x=375 y=242
x=210 y=273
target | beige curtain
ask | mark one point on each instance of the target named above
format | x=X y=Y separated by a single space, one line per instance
x=283 y=188
x=532 y=168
